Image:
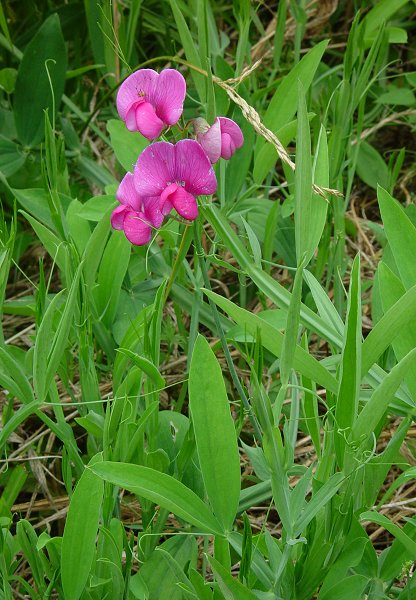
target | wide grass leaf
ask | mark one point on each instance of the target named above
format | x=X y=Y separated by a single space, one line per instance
x=272 y=340
x=230 y=587
x=401 y=235
x=391 y=291
x=161 y=489
x=44 y=57
x=377 y=405
x=392 y=528
x=303 y=183
x=127 y=145
x=393 y=323
x=78 y=542
x=346 y=589
x=215 y=435
x=112 y=271
x=283 y=105
x=349 y=385
x=267 y=284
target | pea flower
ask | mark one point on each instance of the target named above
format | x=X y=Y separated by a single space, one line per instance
x=176 y=174
x=136 y=216
x=148 y=101
x=220 y=140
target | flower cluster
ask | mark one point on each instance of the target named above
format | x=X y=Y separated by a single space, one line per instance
x=166 y=176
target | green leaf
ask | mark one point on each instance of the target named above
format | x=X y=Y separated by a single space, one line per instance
x=395 y=95
x=95 y=208
x=19 y=416
x=371 y=168
x=401 y=235
x=272 y=339
x=267 y=284
x=78 y=542
x=319 y=206
x=349 y=381
x=215 y=436
x=191 y=52
x=303 y=183
x=392 y=528
x=13 y=368
x=161 y=489
x=8 y=79
x=230 y=587
x=145 y=365
x=393 y=323
x=325 y=307
x=127 y=145
x=113 y=268
x=381 y=12
x=11 y=157
x=346 y=589
x=377 y=405
x=318 y=501
x=56 y=249
x=50 y=345
x=283 y=105
x=37 y=202
x=46 y=52
x=166 y=566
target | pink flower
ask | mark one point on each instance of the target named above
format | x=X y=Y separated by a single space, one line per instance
x=136 y=215
x=148 y=101
x=176 y=174
x=222 y=139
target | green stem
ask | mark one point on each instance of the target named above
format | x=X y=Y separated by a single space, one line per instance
x=203 y=263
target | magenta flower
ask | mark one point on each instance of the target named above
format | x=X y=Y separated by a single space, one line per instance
x=148 y=101
x=222 y=139
x=176 y=174
x=136 y=216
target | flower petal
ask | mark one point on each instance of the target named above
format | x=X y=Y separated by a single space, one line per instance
x=193 y=168
x=152 y=212
x=184 y=204
x=147 y=121
x=130 y=119
x=229 y=126
x=137 y=229
x=169 y=95
x=227 y=146
x=139 y=84
x=155 y=169
x=126 y=192
x=117 y=217
x=211 y=141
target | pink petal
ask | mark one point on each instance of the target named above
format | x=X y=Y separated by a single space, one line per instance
x=140 y=84
x=152 y=212
x=137 y=229
x=126 y=193
x=227 y=146
x=148 y=123
x=165 y=197
x=184 y=204
x=229 y=126
x=193 y=168
x=155 y=169
x=211 y=141
x=130 y=120
x=169 y=96
x=117 y=217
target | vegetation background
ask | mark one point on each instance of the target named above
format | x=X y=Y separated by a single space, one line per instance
x=228 y=412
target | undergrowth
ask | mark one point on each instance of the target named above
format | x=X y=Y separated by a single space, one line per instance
x=226 y=411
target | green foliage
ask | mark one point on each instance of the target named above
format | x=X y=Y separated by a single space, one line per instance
x=164 y=395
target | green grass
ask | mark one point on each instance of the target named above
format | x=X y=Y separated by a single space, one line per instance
x=226 y=413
